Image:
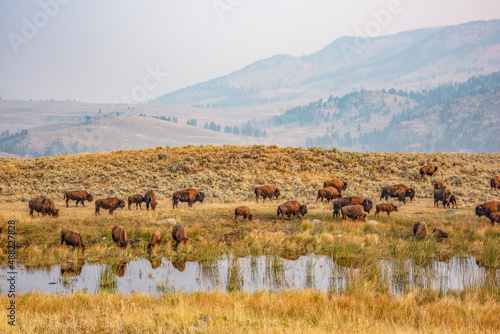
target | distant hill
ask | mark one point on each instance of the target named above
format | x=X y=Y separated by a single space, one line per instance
x=411 y=60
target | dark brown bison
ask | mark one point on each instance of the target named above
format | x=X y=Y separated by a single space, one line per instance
x=452 y=201
x=291 y=208
x=337 y=184
x=155 y=240
x=72 y=239
x=187 y=195
x=420 y=230
x=78 y=196
x=442 y=195
x=428 y=170
x=495 y=183
x=266 y=192
x=179 y=234
x=328 y=193
x=43 y=205
x=495 y=217
x=439 y=185
x=400 y=191
x=242 y=211
x=439 y=233
x=351 y=200
x=150 y=199
x=487 y=208
x=119 y=236
x=385 y=207
x=137 y=199
x=110 y=204
x=355 y=212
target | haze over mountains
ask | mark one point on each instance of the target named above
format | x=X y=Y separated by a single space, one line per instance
x=423 y=90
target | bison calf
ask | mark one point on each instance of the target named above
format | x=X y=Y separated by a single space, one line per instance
x=385 y=207
x=291 y=208
x=266 y=192
x=355 y=212
x=495 y=183
x=119 y=236
x=78 y=196
x=155 y=240
x=328 y=193
x=420 y=230
x=72 y=239
x=452 y=201
x=110 y=204
x=495 y=218
x=179 y=234
x=242 y=211
x=150 y=199
x=137 y=199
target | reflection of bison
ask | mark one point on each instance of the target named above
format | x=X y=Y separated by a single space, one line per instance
x=179 y=234
x=337 y=184
x=78 y=196
x=495 y=217
x=328 y=193
x=400 y=191
x=155 y=240
x=385 y=207
x=242 y=211
x=442 y=195
x=439 y=185
x=355 y=212
x=266 y=192
x=110 y=204
x=495 y=182
x=187 y=195
x=119 y=236
x=291 y=208
x=155 y=262
x=72 y=269
x=428 y=170
x=119 y=268
x=150 y=199
x=351 y=200
x=72 y=239
x=43 y=205
x=420 y=230
x=179 y=265
x=487 y=208
x=137 y=199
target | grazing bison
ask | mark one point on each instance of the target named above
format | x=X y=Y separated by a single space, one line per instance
x=439 y=233
x=495 y=217
x=428 y=170
x=266 y=192
x=110 y=204
x=150 y=199
x=452 y=201
x=355 y=212
x=439 y=185
x=328 y=193
x=442 y=195
x=137 y=199
x=242 y=211
x=72 y=239
x=495 y=183
x=155 y=240
x=179 y=234
x=420 y=230
x=119 y=236
x=43 y=205
x=401 y=191
x=337 y=184
x=78 y=196
x=385 y=207
x=187 y=195
x=291 y=208
x=487 y=208
x=351 y=200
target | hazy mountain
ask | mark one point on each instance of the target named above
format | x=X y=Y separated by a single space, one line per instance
x=411 y=60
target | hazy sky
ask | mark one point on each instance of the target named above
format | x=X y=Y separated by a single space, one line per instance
x=96 y=51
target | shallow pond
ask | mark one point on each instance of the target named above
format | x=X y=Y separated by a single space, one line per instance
x=251 y=273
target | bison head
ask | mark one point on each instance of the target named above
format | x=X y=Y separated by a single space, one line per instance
x=367 y=205
x=121 y=203
x=90 y=198
x=344 y=187
x=153 y=204
x=410 y=193
x=480 y=210
x=54 y=213
x=200 y=197
x=395 y=207
x=303 y=209
x=250 y=217
x=277 y=193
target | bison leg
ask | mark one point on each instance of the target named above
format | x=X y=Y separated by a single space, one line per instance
x=388 y=214
x=67 y=200
x=111 y=211
x=83 y=203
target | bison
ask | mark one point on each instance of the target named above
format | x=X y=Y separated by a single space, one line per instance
x=355 y=212
x=150 y=199
x=439 y=185
x=155 y=240
x=187 y=195
x=110 y=204
x=242 y=211
x=43 y=205
x=291 y=208
x=78 y=196
x=487 y=208
x=495 y=217
x=266 y=192
x=452 y=201
x=401 y=191
x=119 y=236
x=72 y=239
x=179 y=234
x=495 y=183
x=385 y=207
x=179 y=264
x=439 y=233
x=337 y=184
x=351 y=200
x=428 y=170
x=442 y=195
x=420 y=230
x=328 y=193
x=137 y=199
